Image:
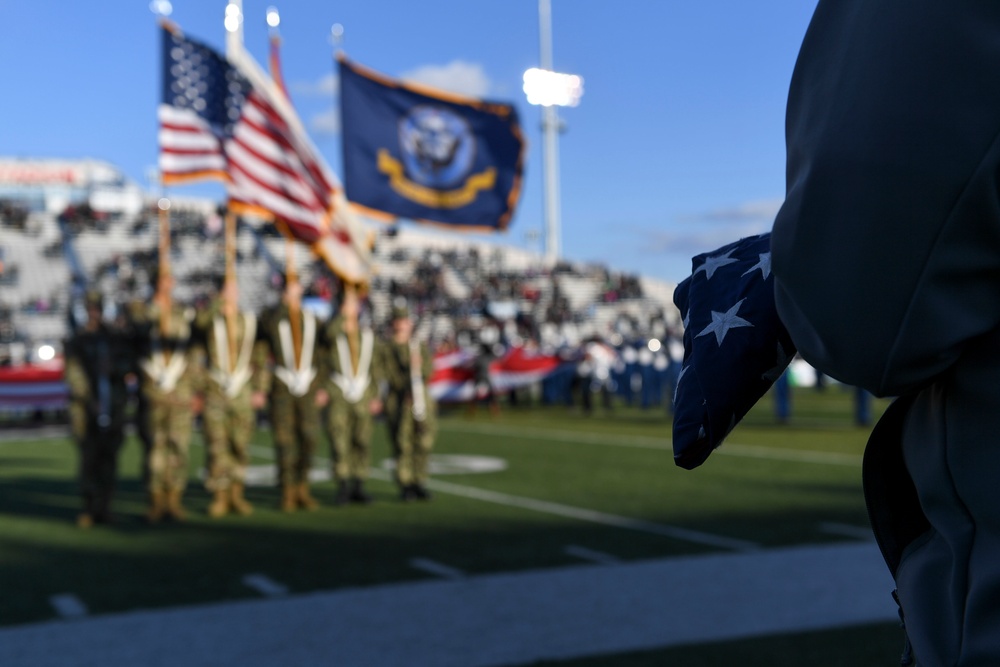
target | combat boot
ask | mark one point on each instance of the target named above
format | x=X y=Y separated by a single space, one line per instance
x=102 y=508
x=174 y=509
x=237 y=501
x=304 y=498
x=358 y=494
x=421 y=492
x=288 y=499
x=86 y=518
x=157 y=507
x=343 y=494
x=219 y=506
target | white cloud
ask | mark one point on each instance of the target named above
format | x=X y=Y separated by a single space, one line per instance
x=457 y=76
x=326 y=123
x=760 y=210
x=327 y=86
x=693 y=243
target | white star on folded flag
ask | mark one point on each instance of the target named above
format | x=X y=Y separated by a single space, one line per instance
x=764 y=265
x=723 y=322
x=713 y=263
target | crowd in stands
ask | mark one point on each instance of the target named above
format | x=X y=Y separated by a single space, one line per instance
x=13 y=215
x=487 y=302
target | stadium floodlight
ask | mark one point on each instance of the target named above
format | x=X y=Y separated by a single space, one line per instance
x=546 y=88
x=161 y=7
x=273 y=18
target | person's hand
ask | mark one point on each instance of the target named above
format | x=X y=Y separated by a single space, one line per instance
x=375 y=407
x=258 y=400
x=322 y=398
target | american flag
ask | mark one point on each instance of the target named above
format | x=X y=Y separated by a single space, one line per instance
x=216 y=123
x=735 y=346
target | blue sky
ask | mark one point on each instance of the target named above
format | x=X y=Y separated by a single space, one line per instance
x=676 y=148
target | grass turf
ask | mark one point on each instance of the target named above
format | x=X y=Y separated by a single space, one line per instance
x=755 y=488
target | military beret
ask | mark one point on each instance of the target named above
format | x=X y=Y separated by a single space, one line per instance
x=94 y=297
x=400 y=312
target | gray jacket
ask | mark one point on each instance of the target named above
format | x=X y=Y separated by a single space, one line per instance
x=887 y=262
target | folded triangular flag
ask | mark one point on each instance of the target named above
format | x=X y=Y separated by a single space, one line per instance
x=735 y=346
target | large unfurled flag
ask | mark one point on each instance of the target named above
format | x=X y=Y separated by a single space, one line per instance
x=454 y=377
x=735 y=346
x=427 y=155
x=227 y=120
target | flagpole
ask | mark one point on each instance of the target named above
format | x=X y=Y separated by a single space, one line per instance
x=291 y=272
x=163 y=281
x=234 y=28
x=294 y=305
x=274 y=35
x=230 y=294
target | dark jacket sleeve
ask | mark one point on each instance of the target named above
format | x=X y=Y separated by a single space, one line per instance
x=886 y=251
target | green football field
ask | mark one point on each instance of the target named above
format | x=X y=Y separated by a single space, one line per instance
x=604 y=483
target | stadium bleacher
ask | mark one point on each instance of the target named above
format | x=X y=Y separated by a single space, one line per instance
x=451 y=282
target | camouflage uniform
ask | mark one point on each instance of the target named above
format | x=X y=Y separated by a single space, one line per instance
x=169 y=378
x=97 y=362
x=295 y=418
x=228 y=416
x=349 y=417
x=412 y=438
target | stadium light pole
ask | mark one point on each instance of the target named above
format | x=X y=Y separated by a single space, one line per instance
x=550 y=90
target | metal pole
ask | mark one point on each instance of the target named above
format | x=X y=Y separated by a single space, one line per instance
x=550 y=143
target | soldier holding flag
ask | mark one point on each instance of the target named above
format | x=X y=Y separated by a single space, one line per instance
x=352 y=370
x=168 y=379
x=232 y=390
x=291 y=335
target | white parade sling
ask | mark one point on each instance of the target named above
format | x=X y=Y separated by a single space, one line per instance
x=298 y=378
x=164 y=374
x=232 y=382
x=354 y=384
x=417 y=382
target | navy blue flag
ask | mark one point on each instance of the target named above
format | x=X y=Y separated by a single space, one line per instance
x=735 y=346
x=426 y=155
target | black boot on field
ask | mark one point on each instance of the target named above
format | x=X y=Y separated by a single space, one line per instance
x=358 y=494
x=408 y=493
x=343 y=494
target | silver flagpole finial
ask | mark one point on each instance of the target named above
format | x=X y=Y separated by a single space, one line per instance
x=337 y=36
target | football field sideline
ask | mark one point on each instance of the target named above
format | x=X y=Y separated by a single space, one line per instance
x=491 y=620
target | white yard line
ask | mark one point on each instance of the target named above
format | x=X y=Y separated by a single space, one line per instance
x=491 y=620
x=265 y=585
x=662 y=444
x=558 y=509
x=437 y=569
x=593 y=516
x=591 y=555
x=68 y=606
